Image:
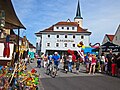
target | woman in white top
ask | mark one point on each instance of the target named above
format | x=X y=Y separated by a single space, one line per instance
x=70 y=63
x=102 y=61
x=45 y=61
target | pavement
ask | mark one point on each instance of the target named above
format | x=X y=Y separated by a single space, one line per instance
x=41 y=71
x=81 y=83
x=61 y=74
x=73 y=81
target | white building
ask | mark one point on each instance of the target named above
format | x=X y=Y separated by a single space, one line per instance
x=62 y=36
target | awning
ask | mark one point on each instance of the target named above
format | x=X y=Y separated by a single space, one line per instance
x=107 y=46
x=11 y=19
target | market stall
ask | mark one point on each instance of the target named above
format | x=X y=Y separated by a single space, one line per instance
x=108 y=46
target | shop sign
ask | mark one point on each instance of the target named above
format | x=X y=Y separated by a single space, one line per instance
x=65 y=40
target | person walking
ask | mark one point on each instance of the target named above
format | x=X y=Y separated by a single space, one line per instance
x=70 y=63
x=118 y=64
x=114 y=65
x=77 y=63
x=42 y=61
x=102 y=62
x=45 y=60
x=87 y=62
x=56 y=59
x=49 y=60
x=109 y=58
x=93 y=64
x=65 y=61
x=39 y=62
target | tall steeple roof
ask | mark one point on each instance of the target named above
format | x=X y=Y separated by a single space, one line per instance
x=78 y=13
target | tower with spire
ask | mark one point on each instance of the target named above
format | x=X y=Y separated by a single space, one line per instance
x=78 y=17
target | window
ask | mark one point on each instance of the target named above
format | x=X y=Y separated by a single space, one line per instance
x=73 y=36
x=62 y=27
x=82 y=37
x=37 y=45
x=73 y=28
x=73 y=45
x=48 y=44
x=49 y=36
x=116 y=38
x=57 y=44
x=65 y=44
x=67 y=28
x=65 y=36
x=57 y=27
x=57 y=36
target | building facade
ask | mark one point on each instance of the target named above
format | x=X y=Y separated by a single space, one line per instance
x=8 y=22
x=108 y=38
x=62 y=36
x=115 y=39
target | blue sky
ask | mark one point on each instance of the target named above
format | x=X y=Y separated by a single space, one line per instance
x=99 y=16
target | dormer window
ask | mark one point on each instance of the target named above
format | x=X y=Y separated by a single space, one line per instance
x=57 y=27
x=67 y=28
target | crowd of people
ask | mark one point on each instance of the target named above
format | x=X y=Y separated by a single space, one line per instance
x=105 y=63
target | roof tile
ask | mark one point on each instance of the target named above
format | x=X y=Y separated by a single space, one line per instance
x=110 y=37
x=79 y=29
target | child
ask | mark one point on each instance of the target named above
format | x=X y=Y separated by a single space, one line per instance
x=93 y=64
x=39 y=62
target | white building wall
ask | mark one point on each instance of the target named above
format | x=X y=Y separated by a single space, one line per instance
x=62 y=40
x=105 y=40
x=116 y=39
x=79 y=21
x=43 y=42
x=38 y=41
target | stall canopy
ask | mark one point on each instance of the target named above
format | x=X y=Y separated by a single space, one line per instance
x=107 y=46
x=11 y=19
